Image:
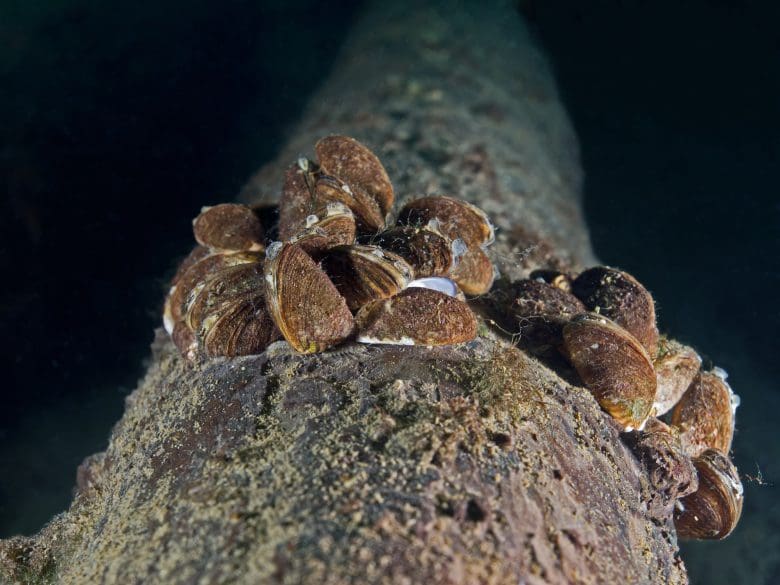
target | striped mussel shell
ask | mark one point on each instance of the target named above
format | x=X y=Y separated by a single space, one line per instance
x=364 y=273
x=714 y=509
x=307 y=308
x=614 y=366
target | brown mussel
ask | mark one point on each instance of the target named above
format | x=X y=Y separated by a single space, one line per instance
x=229 y=227
x=453 y=217
x=347 y=172
x=303 y=302
x=426 y=249
x=541 y=310
x=198 y=272
x=417 y=316
x=714 y=509
x=358 y=167
x=368 y=214
x=620 y=297
x=614 y=366
x=475 y=272
x=704 y=416
x=297 y=202
x=669 y=471
x=676 y=365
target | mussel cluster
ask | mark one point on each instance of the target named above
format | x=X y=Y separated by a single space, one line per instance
x=603 y=322
x=339 y=271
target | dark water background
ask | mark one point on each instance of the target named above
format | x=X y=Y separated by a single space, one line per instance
x=119 y=120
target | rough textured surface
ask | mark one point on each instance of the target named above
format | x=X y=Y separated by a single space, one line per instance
x=365 y=464
x=454 y=101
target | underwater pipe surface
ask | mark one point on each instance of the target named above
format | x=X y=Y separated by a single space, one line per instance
x=475 y=463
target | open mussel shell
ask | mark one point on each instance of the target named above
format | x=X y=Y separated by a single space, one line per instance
x=305 y=305
x=368 y=214
x=297 y=200
x=676 y=365
x=358 y=167
x=229 y=227
x=416 y=316
x=331 y=226
x=455 y=219
x=713 y=510
x=363 y=273
x=620 y=297
x=614 y=366
x=474 y=273
x=704 y=416
x=541 y=311
x=428 y=251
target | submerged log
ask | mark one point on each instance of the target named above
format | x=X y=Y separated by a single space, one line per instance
x=475 y=463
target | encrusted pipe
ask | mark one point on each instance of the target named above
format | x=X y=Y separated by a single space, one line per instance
x=474 y=463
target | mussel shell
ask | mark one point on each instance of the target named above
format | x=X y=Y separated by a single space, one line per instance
x=714 y=509
x=474 y=273
x=228 y=286
x=542 y=310
x=369 y=216
x=416 y=316
x=168 y=321
x=455 y=219
x=244 y=327
x=439 y=283
x=198 y=274
x=613 y=365
x=229 y=227
x=364 y=273
x=305 y=305
x=704 y=416
x=328 y=227
x=620 y=297
x=356 y=165
x=427 y=251
x=676 y=365
x=297 y=200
